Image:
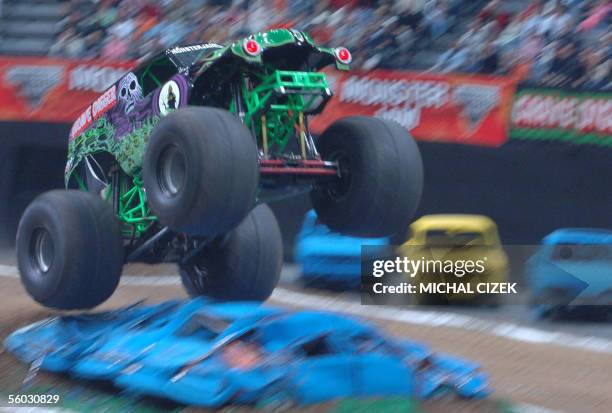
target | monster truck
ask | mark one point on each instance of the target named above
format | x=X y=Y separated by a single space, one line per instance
x=176 y=161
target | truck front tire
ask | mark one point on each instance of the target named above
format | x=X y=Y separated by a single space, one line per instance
x=200 y=171
x=69 y=250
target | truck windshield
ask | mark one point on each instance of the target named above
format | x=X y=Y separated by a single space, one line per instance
x=188 y=55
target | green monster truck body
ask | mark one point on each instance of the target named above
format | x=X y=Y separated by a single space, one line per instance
x=188 y=147
x=214 y=76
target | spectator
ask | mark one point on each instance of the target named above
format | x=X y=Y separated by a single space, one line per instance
x=489 y=62
x=530 y=47
x=477 y=35
x=597 y=73
x=454 y=59
x=106 y=14
x=406 y=40
x=438 y=20
x=599 y=14
x=68 y=44
x=410 y=13
x=544 y=39
x=349 y=32
x=606 y=44
x=563 y=20
x=257 y=18
x=116 y=48
x=120 y=28
x=509 y=38
x=389 y=45
x=411 y=18
x=491 y=13
x=534 y=8
x=533 y=19
x=543 y=63
x=565 y=70
x=93 y=45
x=149 y=48
x=554 y=22
x=124 y=26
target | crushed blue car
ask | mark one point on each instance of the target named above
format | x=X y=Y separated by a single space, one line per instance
x=570 y=273
x=329 y=259
x=214 y=354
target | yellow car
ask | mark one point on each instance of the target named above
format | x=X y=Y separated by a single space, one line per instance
x=454 y=259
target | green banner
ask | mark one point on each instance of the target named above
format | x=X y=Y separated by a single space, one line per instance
x=554 y=114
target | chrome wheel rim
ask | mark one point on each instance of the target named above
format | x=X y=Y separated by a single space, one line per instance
x=42 y=250
x=172 y=171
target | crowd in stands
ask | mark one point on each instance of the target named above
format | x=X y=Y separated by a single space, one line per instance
x=388 y=32
x=564 y=43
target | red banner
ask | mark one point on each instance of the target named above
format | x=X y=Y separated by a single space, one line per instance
x=443 y=108
x=52 y=90
x=471 y=110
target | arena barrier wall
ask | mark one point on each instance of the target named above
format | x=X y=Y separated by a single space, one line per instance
x=32 y=160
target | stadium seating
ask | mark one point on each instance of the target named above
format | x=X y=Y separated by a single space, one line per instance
x=28 y=27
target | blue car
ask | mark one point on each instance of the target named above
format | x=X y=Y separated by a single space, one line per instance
x=329 y=259
x=215 y=354
x=572 y=272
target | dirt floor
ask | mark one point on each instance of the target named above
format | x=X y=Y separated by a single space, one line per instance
x=552 y=377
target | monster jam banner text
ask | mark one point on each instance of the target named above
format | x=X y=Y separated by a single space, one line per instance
x=52 y=90
x=473 y=110
x=572 y=116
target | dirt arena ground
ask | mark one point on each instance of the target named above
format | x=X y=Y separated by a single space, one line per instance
x=535 y=377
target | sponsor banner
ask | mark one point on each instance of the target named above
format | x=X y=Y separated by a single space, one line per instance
x=433 y=107
x=572 y=116
x=55 y=90
x=462 y=109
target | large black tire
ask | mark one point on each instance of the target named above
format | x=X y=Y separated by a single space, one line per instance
x=243 y=265
x=381 y=177
x=69 y=250
x=200 y=171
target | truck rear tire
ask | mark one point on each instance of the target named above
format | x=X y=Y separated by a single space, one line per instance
x=381 y=177
x=69 y=250
x=200 y=171
x=245 y=264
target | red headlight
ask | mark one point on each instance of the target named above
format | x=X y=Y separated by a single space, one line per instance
x=251 y=47
x=343 y=55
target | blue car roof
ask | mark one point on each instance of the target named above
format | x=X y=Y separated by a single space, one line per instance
x=579 y=236
x=310 y=221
